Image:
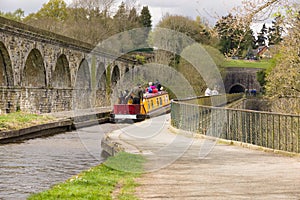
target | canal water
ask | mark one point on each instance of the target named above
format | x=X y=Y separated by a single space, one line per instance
x=37 y=164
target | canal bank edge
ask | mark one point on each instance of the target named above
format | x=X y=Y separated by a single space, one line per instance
x=54 y=127
x=111 y=144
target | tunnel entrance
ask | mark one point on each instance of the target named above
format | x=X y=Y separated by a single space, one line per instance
x=237 y=89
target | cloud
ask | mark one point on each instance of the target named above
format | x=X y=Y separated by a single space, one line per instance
x=160 y=3
x=208 y=10
x=28 y=6
x=158 y=8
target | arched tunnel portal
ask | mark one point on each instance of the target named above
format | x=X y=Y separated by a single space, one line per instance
x=237 y=89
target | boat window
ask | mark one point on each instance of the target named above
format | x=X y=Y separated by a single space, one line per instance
x=166 y=98
x=148 y=102
x=152 y=105
x=157 y=102
x=160 y=101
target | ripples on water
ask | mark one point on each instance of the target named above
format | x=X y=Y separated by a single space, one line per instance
x=35 y=165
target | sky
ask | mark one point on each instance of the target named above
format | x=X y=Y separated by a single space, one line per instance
x=207 y=9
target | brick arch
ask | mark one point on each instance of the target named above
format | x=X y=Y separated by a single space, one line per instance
x=115 y=77
x=101 y=77
x=61 y=77
x=83 y=76
x=6 y=72
x=101 y=97
x=34 y=73
x=82 y=94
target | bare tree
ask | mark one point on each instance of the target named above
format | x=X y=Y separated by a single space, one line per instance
x=100 y=5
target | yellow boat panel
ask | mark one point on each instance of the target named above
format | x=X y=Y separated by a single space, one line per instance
x=154 y=102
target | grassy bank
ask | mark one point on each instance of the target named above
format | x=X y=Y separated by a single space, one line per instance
x=264 y=64
x=112 y=180
x=18 y=120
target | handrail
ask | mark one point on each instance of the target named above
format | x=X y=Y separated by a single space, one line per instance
x=272 y=130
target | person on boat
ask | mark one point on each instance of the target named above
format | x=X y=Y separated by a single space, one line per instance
x=137 y=94
x=150 y=88
x=157 y=85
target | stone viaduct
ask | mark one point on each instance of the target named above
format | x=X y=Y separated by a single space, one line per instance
x=44 y=72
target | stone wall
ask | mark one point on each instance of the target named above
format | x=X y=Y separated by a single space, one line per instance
x=35 y=100
x=241 y=78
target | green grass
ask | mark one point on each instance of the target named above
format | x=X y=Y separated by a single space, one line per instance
x=100 y=182
x=17 y=120
x=264 y=64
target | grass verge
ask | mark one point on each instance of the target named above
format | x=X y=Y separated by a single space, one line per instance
x=263 y=64
x=113 y=178
x=18 y=120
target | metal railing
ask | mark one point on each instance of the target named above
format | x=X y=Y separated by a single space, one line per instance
x=271 y=130
x=217 y=100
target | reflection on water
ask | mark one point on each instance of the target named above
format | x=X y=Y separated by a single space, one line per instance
x=35 y=165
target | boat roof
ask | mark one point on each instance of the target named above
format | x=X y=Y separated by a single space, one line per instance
x=151 y=95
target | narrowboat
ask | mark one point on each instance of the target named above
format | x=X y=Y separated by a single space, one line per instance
x=153 y=104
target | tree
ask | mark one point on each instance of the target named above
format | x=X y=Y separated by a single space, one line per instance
x=262 y=36
x=133 y=17
x=100 y=6
x=17 y=15
x=236 y=37
x=250 y=11
x=86 y=20
x=50 y=17
x=54 y=9
x=283 y=85
x=90 y=20
x=121 y=18
x=185 y=25
x=145 y=18
x=275 y=31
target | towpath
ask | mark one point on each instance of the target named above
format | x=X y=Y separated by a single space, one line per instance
x=183 y=167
